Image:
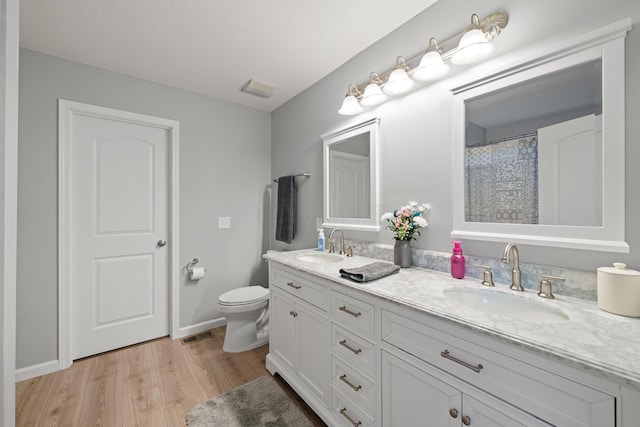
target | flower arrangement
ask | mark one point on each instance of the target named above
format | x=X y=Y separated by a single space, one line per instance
x=406 y=221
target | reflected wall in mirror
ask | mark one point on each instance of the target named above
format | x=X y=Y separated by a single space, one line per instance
x=533 y=151
x=539 y=149
x=350 y=177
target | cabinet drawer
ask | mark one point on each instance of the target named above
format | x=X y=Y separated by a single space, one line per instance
x=544 y=394
x=353 y=313
x=304 y=288
x=347 y=413
x=354 y=349
x=351 y=383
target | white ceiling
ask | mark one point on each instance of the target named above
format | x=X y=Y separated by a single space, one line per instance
x=214 y=47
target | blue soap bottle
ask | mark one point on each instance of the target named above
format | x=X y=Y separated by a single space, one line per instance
x=321 y=240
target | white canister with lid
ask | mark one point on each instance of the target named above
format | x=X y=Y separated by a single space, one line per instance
x=619 y=290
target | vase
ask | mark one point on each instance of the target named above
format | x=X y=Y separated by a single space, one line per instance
x=402 y=253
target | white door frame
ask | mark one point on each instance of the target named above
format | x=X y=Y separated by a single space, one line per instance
x=67 y=110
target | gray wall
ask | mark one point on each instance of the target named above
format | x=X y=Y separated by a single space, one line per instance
x=416 y=129
x=224 y=171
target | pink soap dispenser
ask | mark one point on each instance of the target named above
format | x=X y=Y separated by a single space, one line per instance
x=457 y=261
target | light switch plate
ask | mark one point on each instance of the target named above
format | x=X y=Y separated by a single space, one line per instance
x=224 y=222
x=318 y=223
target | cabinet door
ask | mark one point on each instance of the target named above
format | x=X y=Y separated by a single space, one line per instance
x=494 y=413
x=313 y=338
x=411 y=397
x=282 y=339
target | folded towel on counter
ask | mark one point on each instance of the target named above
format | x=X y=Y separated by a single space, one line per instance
x=287 y=209
x=369 y=272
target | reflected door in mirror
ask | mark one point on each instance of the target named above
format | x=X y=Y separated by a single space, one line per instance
x=349 y=185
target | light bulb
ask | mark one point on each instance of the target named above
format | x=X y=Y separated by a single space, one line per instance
x=398 y=82
x=350 y=106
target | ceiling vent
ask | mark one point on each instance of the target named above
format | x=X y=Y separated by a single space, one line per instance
x=257 y=88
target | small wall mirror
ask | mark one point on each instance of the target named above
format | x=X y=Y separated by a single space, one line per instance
x=350 y=177
x=539 y=155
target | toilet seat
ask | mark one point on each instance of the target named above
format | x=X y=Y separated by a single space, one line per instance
x=243 y=296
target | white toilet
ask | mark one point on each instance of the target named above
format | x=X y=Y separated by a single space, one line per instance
x=246 y=311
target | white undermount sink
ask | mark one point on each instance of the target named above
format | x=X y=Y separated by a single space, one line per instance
x=513 y=306
x=319 y=257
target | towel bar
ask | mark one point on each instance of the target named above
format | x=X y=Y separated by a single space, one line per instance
x=305 y=174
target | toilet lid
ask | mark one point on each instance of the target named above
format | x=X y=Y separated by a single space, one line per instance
x=244 y=295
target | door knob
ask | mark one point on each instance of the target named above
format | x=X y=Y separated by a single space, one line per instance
x=161 y=243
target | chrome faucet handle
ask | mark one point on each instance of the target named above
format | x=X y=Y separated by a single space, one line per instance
x=545 y=285
x=487 y=276
x=349 y=251
x=332 y=248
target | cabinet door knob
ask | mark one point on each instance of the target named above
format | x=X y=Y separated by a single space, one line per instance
x=161 y=243
x=466 y=420
x=453 y=412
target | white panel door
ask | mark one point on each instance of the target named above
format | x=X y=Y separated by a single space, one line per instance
x=570 y=172
x=349 y=186
x=120 y=280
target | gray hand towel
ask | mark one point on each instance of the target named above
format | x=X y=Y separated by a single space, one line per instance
x=287 y=209
x=369 y=272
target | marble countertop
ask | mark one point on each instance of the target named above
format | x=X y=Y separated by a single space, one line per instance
x=590 y=338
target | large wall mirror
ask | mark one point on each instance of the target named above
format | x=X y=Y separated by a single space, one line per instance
x=539 y=155
x=351 y=178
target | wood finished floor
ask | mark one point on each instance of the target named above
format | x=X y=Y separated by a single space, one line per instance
x=150 y=384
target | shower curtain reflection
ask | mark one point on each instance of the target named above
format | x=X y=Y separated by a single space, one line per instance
x=502 y=181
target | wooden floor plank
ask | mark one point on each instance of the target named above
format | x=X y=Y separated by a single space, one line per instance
x=63 y=404
x=29 y=399
x=151 y=384
x=103 y=402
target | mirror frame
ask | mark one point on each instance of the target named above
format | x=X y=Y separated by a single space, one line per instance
x=336 y=137
x=606 y=44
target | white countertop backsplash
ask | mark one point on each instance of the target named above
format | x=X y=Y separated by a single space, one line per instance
x=591 y=339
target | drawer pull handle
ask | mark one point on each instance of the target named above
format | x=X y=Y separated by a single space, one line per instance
x=293 y=313
x=293 y=285
x=355 y=423
x=474 y=368
x=344 y=379
x=453 y=412
x=354 y=350
x=466 y=420
x=346 y=310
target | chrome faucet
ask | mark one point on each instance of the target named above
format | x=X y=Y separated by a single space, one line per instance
x=512 y=251
x=341 y=239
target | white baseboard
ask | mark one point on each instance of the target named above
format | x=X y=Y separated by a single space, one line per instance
x=37 y=370
x=200 y=327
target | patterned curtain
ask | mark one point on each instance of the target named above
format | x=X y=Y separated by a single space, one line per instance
x=501 y=181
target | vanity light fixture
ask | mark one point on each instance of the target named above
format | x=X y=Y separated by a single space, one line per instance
x=398 y=81
x=469 y=46
x=431 y=65
x=373 y=93
x=350 y=105
x=474 y=45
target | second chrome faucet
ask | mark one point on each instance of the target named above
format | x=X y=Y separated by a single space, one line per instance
x=512 y=256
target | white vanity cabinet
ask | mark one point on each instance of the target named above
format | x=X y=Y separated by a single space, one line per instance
x=523 y=384
x=299 y=333
x=413 y=391
x=359 y=359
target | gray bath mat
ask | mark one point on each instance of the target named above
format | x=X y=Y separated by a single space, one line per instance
x=261 y=402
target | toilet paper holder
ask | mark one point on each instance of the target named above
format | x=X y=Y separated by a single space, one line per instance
x=190 y=265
